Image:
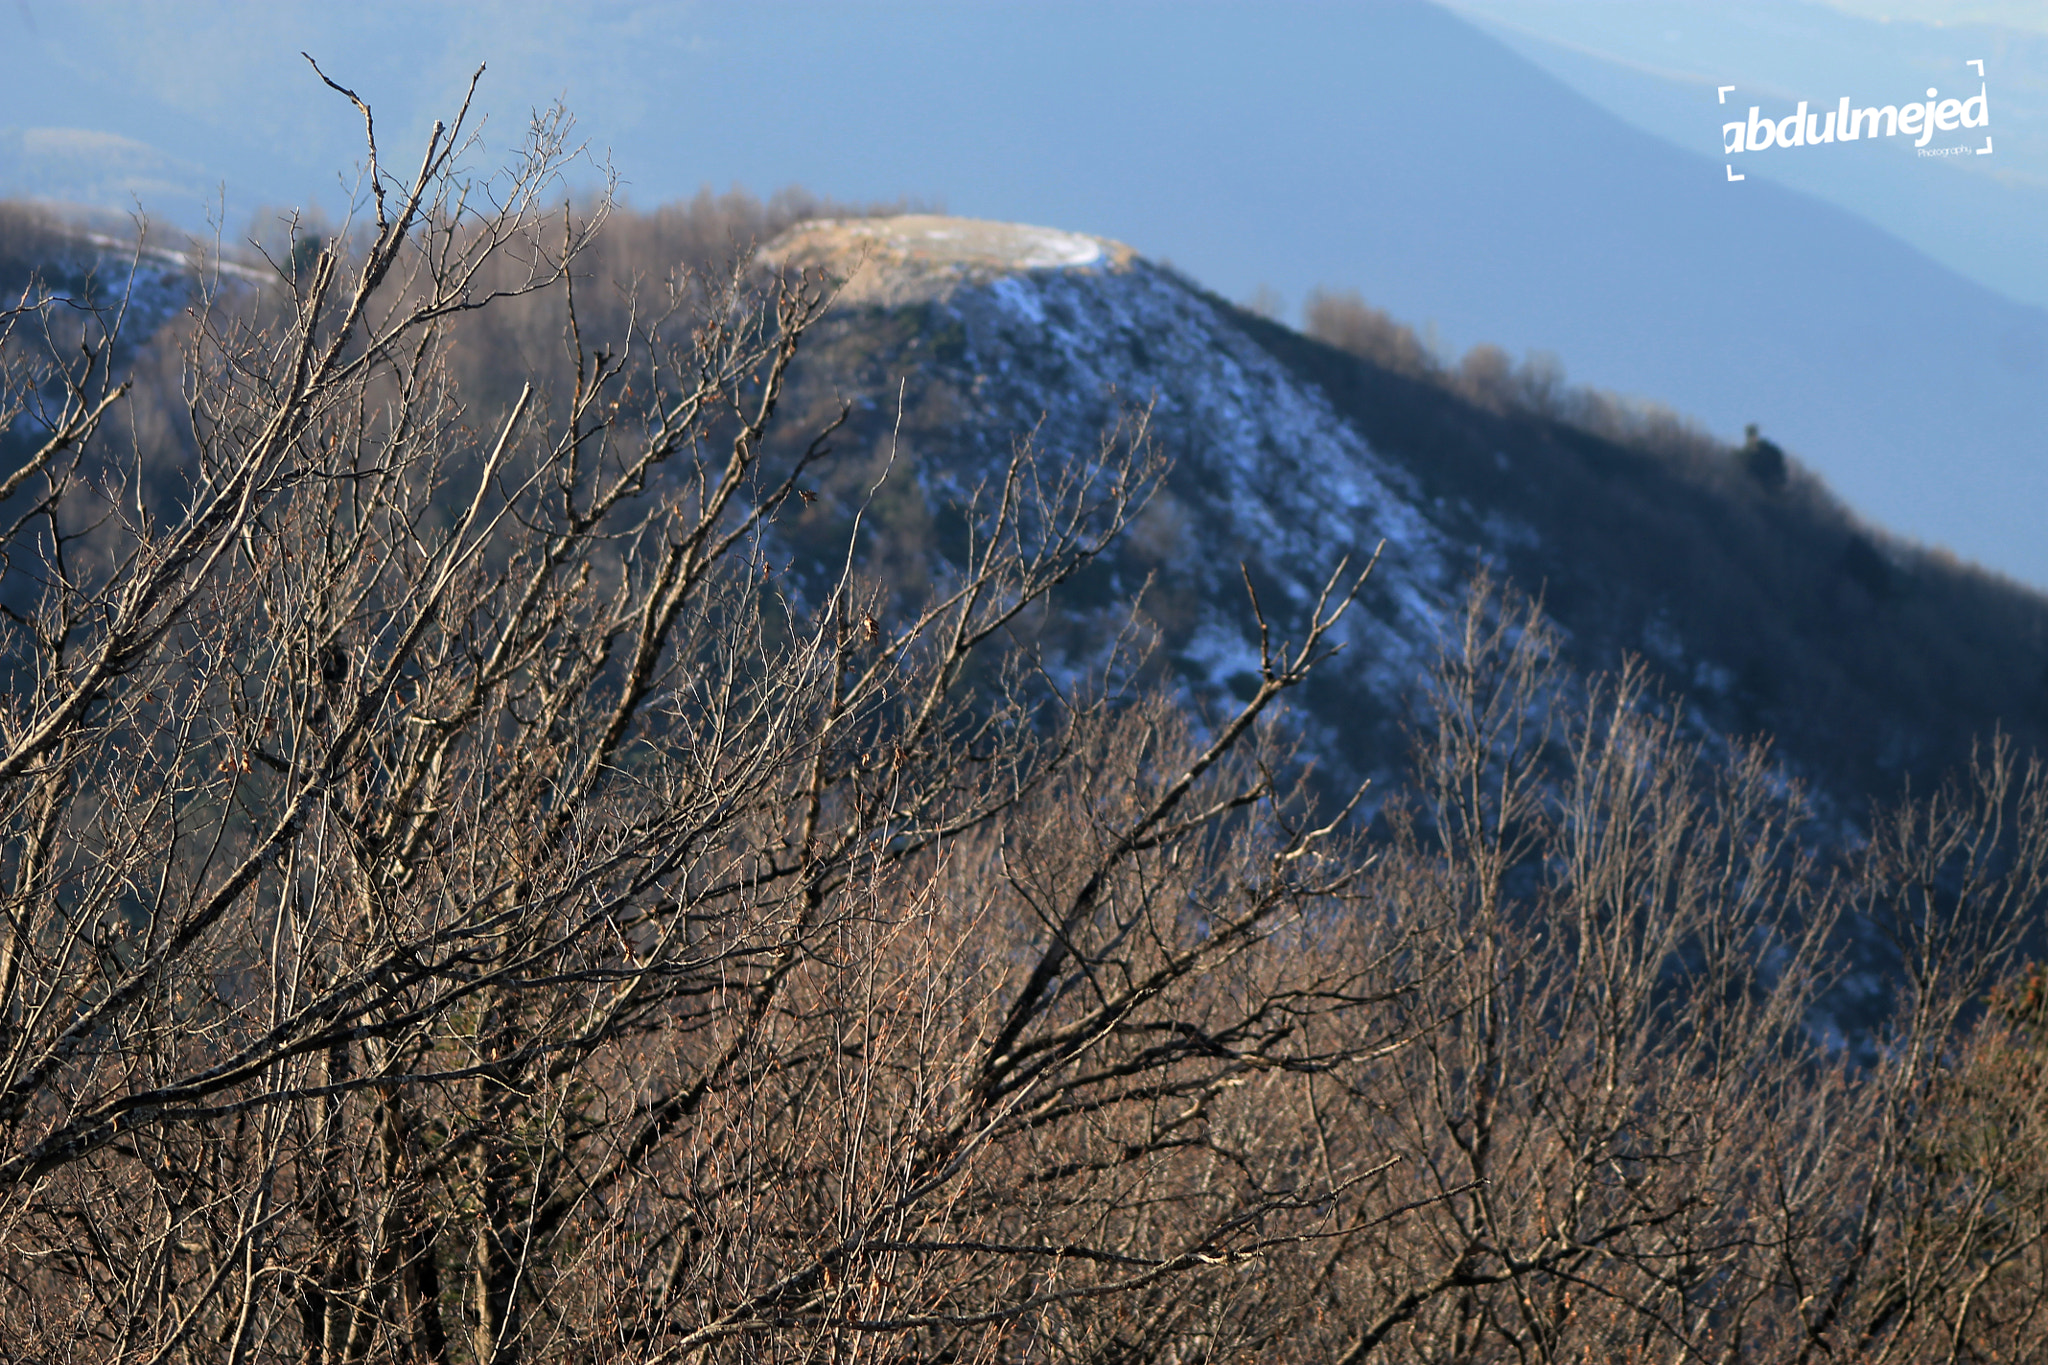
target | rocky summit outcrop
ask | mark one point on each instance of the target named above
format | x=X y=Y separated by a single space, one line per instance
x=919 y=257
x=993 y=332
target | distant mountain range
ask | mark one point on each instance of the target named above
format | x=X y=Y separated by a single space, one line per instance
x=1670 y=67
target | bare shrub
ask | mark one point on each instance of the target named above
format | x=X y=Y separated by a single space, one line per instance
x=1489 y=377
x=1348 y=322
x=462 y=905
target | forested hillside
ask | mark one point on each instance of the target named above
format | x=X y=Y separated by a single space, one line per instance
x=1868 y=660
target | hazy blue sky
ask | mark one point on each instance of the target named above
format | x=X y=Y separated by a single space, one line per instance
x=1543 y=174
x=172 y=101
x=1659 y=64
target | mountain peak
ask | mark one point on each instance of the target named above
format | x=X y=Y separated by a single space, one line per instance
x=919 y=257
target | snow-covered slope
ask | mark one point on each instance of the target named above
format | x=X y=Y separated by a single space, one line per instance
x=1030 y=329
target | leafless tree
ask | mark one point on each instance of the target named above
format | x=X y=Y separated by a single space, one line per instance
x=462 y=906
x=466 y=899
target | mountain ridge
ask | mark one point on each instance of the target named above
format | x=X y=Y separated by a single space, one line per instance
x=1770 y=608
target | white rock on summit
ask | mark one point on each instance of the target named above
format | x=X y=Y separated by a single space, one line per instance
x=918 y=257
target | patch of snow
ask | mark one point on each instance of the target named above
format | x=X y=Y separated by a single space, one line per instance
x=1221 y=653
x=1712 y=677
x=180 y=261
x=1662 y=641
x=1503 y=531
